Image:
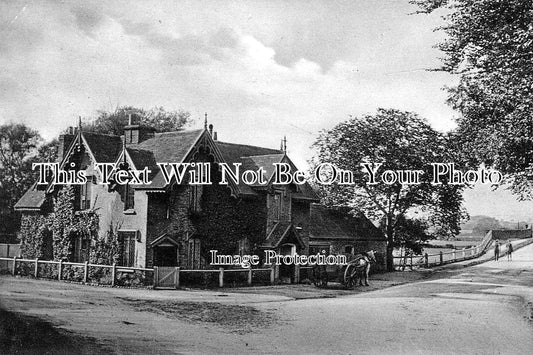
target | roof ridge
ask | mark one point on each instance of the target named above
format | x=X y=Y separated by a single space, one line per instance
x=264 y=155
x=248 y=145
x=179 y=131
x=100 y=134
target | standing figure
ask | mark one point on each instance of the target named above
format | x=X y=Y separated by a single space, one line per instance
x=496 y=250
x=509 y=251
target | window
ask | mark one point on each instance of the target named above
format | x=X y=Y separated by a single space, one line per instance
x=127 y=246
x=317 y=249
x=195 y=196
x=81 y=249
x=243 y=246
x=194 y=253
x=85 y=194
x=276 y=206
x=129 y=197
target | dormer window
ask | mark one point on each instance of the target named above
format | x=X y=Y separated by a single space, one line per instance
x=86 y=194
x=129 y=197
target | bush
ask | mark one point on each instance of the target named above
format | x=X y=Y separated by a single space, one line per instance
x=25 y=268
x=99 y=275
x=73 y=273
x=134 y=279
x=48 y=271
x=199 y=279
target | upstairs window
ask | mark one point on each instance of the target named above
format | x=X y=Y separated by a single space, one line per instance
x=86 y=194
x=276 y=206
x=129 y=197
x=195 y=197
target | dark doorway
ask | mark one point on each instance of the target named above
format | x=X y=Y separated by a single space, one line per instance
x=286 y=272
x=165 y=256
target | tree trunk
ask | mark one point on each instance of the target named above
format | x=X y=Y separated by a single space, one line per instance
x=390 y=244
x=390 y=249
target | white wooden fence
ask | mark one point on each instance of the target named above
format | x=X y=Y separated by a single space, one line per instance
x=442 y=258
x=162 y=277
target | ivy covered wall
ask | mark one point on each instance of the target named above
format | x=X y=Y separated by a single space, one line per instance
x=61 y=227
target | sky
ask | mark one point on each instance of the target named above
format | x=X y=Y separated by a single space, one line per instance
x=261 y=70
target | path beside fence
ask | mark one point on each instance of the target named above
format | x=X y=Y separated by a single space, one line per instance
x=465 y=256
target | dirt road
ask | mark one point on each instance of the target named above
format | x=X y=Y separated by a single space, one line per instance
x=475 y=310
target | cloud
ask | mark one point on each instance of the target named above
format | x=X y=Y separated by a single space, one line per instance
x=226 y=61
x=88 y=18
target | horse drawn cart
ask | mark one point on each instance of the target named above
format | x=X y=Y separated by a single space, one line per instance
x=356 y=269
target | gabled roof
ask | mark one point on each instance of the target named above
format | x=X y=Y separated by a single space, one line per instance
x=171 y=147
x=104 y=147
x=33 y=199
x=339 y=224
x=252 y=158
x=232 y=153
x=279 y=233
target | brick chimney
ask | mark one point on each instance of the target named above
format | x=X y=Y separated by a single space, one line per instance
x=65 y=140
x=137 y=133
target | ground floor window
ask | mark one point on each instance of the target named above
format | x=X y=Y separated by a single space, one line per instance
x=127 y=246
x=318 y=249
x=194 y=254
x=80 y=249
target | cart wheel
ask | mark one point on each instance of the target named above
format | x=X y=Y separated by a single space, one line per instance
x=349 y=273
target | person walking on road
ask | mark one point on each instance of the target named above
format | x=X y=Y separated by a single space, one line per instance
x=509 y=251
x=496 y=250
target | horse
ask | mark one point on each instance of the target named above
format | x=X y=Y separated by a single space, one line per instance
x=359 y=268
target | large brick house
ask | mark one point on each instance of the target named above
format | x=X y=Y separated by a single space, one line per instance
x=164 y=224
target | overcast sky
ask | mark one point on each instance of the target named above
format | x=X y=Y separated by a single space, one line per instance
x=260 y=69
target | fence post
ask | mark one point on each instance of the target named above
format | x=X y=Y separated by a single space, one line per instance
x=441 y=257
x=272 y=275
x=36 y=270
x=113 y=274
x=60 y=270
x=426 y=259
x=464 y=253
x=86 y=272
x=250 y=276
x=221 y=277
x=177 y=277
x=14 y=270
x=156 y=275
x=454 y=253
x=411 y=260
x=296 y=274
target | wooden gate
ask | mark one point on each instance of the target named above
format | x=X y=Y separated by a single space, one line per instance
x=166 y=277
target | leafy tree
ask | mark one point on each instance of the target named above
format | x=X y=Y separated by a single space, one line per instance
x=490 y=46
x=158 y=118
x=18 y=146
x=47 y=152
x=399 y=141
